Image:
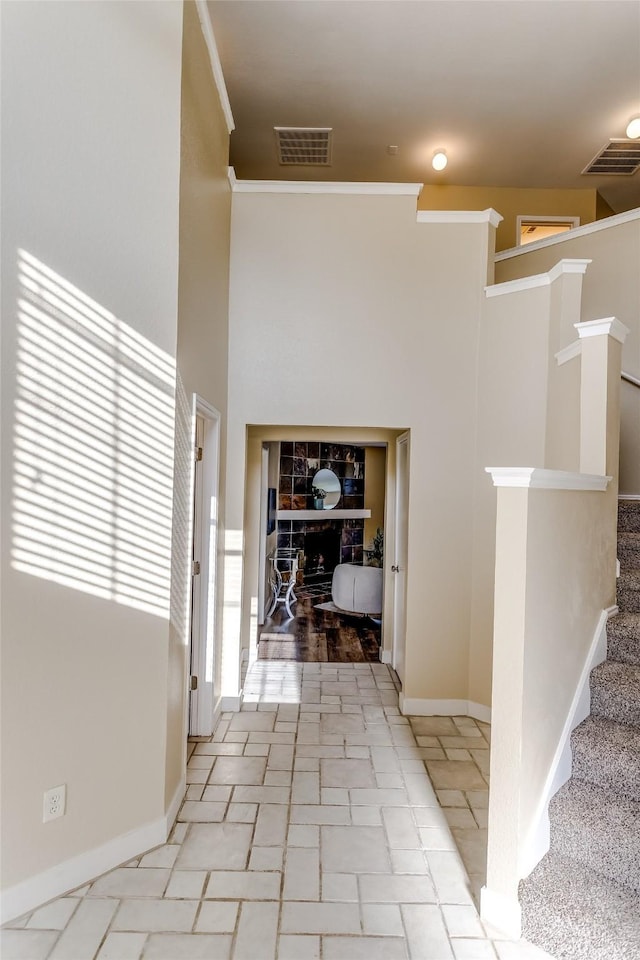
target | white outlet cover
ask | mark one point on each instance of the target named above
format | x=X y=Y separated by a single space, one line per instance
x=54 y=803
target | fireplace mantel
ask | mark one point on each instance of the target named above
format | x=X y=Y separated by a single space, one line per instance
x=323 y=514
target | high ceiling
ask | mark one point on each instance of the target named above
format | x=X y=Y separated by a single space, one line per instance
x=520 y=93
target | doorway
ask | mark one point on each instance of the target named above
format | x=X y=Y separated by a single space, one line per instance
x=203 y=694
x=317 y=540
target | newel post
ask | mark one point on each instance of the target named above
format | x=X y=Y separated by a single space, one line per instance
x=601 y=363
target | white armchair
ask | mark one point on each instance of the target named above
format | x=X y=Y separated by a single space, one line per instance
x=357 y=589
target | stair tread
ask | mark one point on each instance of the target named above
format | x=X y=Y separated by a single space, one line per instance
x=574 y=913
x=621 y=678
x=599 y=828
x=608 y=754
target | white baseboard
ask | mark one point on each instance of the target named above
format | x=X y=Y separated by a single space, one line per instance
x=386 y=656
x=174 y=806
x=419 y=707
x=538 y=840
x=502 y=912
x=73 y=873
x=629 y=496
x=479 y=712
x=230 y=704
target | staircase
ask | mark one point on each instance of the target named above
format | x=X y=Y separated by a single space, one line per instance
x=582 y=901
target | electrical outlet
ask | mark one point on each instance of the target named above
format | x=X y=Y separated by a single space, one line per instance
x=55 y=802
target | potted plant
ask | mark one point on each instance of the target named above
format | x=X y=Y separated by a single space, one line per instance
x=318 y=495
x=376 y=550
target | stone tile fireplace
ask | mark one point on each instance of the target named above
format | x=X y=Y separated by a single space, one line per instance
x=323 y=541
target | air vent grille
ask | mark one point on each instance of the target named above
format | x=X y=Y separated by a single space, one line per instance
x=617 y=158
x=304 y=146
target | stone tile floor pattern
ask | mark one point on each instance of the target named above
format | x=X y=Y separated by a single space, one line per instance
x=310 y=831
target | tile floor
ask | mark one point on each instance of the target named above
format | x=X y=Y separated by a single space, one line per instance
x=310 y=829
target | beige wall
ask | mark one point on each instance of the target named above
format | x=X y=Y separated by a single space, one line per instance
x=330 y=294
x=374 y=491
x=91 y=126
x=511 y=202
x=611 y=287
x=203 y=281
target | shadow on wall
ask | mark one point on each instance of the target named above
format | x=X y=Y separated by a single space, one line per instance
x=93 y=447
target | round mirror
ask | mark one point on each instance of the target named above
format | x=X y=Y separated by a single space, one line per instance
x=326 y=489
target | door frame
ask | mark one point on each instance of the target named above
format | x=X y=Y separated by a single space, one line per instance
x=401 y=534
x=262 y=533
x=204 y=587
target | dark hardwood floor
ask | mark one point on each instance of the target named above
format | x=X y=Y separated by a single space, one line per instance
x=318 y=635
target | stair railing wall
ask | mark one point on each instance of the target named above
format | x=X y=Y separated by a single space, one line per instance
x=554 y=577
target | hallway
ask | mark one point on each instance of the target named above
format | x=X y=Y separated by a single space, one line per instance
x=310 y=830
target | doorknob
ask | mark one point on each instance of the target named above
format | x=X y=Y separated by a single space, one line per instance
x=395 y=568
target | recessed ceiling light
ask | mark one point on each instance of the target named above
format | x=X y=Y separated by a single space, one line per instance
x=439 y=161
x=633 y=128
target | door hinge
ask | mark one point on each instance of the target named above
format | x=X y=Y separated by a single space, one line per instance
x=198 y=454
x=195 y=568
x=193 y=685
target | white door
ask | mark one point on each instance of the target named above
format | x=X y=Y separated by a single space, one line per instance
x=204 y=570
x=399 y=566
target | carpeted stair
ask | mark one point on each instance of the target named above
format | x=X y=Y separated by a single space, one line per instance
x=582 y=901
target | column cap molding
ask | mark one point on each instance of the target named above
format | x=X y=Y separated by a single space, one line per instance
x=537 y=478
x=607 y=326
x=460 y=216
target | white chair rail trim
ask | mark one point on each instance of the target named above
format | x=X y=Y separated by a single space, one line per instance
x=216 y=66
x=582 y=231
x=540 y=479
x=538 y=279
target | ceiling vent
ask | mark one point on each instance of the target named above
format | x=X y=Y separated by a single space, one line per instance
x=304 y=146
x=617 y=158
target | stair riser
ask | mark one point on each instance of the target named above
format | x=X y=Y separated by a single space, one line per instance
x=626 y=786
x=610 y=845
x=607 y=703
x=608 y=861
x=628 y=600
x=629 y=554
x=617 y=773
x=624 y=649
x=629 y=517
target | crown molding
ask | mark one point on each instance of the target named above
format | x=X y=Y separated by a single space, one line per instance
x=214 y=59
x=327 y=187
x=460 y=216
x=540 y=479
x=583 y=231
x=608 y=326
